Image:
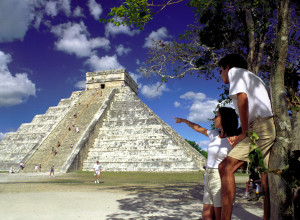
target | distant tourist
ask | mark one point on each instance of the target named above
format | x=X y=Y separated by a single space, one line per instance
x=21 y=166
x=253 y=182
x=36 y=168
x=97 y=172
x=226 y=124
x=71 y=146
x=58 y=144
x=77 y=129
x=53 y=151
x=40 y=167
x=52 y=170
x=11 y=170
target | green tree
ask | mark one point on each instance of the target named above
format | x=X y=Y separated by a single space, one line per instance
x=197 y=147
x=267 y=34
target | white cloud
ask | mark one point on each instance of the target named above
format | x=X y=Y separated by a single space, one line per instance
x=78 y=12
x=73 y=39
x=65 y=5
x=38 y=20
x=16 y=16
x=160 y=34
x=177 y=104
x=121 y=50
x=203 y=144
x=16 y=89
x=138 y=62
x=201 y=108
x=80 y=84
x=2 y=135
x=112 y=30
x=95 y=9
x=193 y=95
x=134 y=76
x=52 y=8
x=154 y=90
x=103 y=63
x=14 y=19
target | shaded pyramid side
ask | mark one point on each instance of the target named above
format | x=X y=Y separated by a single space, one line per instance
x=18 y=146
x=79 y=116
x=133 y=138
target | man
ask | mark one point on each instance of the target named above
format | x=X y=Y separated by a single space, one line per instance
x=253 y=182
x=252 y=102
x=52 y=170
x=97 y=172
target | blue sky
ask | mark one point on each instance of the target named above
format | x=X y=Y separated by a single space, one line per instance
x=47 y=46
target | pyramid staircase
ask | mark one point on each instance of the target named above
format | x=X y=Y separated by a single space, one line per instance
x=18 y=146
x=133 y=138
x=85 y=109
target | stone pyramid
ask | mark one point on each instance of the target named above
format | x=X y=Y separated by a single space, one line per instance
x=115 y=127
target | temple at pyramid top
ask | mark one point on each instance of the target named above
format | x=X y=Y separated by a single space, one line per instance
x=110 y=79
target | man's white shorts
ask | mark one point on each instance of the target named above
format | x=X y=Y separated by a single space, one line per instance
x=97 y=172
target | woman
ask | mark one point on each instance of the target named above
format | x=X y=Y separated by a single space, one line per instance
x=226 y=124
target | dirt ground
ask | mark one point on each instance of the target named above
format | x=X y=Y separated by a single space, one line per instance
x=36 y=196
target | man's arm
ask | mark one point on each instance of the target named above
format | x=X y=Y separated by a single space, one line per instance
x=194 y=126
x=242 y=100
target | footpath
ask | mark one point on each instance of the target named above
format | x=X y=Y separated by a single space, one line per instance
x=36 y=196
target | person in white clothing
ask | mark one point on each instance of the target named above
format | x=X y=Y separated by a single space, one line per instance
x=226 y=124
x=97 y=172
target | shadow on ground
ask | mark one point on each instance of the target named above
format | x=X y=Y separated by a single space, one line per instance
x=174 y=202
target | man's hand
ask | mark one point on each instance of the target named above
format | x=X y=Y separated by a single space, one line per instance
x=236 y=139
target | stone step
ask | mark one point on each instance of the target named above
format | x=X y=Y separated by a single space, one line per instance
x=138 y=159
x=30 y=134
x=138 y=155
x=130 y=122
x=35 y=128
x=85 y=108
x=133 y=139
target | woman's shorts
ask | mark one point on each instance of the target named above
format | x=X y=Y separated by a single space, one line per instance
x=212 y=188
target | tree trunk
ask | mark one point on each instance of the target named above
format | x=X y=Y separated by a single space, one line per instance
x=296 y=130
x=280 y=192
x=251 y=38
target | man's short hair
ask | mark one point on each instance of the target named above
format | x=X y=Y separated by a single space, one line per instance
x=233 y=60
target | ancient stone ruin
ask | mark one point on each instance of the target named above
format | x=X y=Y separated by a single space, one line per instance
x=114 y=127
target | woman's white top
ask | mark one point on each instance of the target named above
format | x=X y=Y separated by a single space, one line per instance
x=217 y=149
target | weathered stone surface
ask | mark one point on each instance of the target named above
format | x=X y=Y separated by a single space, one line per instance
x=16 y=146
x=115 y=127
x=134 y=138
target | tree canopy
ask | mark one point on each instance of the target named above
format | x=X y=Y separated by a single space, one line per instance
x=265 y=32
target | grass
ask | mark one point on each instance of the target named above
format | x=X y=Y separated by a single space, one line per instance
x=132 y=178
x=117 y=179
x=82 y=181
